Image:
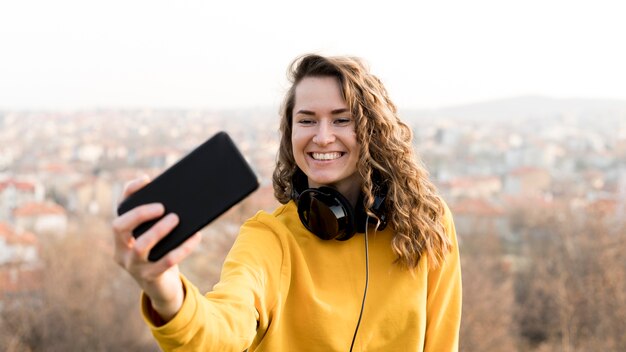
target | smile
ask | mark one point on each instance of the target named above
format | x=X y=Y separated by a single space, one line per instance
x=326 y=156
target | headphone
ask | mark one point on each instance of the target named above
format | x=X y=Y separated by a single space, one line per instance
x=325 y=212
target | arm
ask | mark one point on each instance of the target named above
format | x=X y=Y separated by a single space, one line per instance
x=227 y=318
x=444 y=299
x=159 y=280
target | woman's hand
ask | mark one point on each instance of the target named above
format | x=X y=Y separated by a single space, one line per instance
x=160 y=280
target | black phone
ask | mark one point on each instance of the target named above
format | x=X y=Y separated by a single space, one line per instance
x=198 y=188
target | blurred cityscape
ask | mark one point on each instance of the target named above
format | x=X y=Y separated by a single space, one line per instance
x=495 y=163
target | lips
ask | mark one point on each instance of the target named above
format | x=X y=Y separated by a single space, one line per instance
x=326 y=156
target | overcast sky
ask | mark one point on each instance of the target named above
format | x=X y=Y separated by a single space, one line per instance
x=230 y=54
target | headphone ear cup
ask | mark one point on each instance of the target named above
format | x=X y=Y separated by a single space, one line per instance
x=326 y=213
x=348 y=221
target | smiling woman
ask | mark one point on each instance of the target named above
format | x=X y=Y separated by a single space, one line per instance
x=298 y=279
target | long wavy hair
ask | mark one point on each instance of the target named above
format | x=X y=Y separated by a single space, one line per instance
x=387 y=160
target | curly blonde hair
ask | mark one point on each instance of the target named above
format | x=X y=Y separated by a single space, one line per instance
x=386 y=161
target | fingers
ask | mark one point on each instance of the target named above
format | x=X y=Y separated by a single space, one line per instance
x=146 y=271
x=124 y=224
x=134 y=258
x=124 y=242
x=134 y=185
x=150 y=238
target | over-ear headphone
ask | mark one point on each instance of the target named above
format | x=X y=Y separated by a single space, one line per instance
x=329 y=215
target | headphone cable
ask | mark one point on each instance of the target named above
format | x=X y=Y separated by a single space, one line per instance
x=367 y=279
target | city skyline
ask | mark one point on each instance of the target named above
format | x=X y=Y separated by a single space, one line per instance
x=538 y=199
x=194 y=54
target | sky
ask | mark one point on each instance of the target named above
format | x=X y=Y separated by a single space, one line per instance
x=78 y=54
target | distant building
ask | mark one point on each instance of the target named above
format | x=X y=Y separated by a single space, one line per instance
x=7 y=156
x=527 y=181
x=544 y=154
x=160 y=157
x=472 y=187
x=448 y=135
x=89 y=152
x=41 y=218
x=474 y=216
x=92 y=195
x=17 y=246
x=14 y=192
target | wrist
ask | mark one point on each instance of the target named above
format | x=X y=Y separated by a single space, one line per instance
x=167 y=307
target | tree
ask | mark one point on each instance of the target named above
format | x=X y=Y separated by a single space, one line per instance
x=84 y=302
x=571 y=296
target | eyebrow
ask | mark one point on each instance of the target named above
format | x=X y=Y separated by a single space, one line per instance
x=311 y=113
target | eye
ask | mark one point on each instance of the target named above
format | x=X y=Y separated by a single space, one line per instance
x=305 y=121
x=342 y=121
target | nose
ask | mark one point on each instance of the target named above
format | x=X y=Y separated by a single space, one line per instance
x=324 y=134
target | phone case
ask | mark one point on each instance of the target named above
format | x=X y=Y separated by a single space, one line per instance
x=198 y=188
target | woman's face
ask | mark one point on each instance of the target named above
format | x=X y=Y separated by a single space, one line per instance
x=323 y=136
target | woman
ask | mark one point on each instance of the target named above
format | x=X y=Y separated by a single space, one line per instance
x=300 y=279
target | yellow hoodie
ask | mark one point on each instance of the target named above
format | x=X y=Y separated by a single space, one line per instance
x=284 y=289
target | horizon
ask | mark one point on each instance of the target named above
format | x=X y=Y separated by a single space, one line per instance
x=469 y=104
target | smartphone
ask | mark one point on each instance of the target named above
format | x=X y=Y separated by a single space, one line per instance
x=198 y=188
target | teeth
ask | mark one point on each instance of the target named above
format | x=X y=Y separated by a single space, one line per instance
x=326 y=156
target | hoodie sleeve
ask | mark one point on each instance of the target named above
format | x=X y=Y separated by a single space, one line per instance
x=444 y=298
x=226 y=318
